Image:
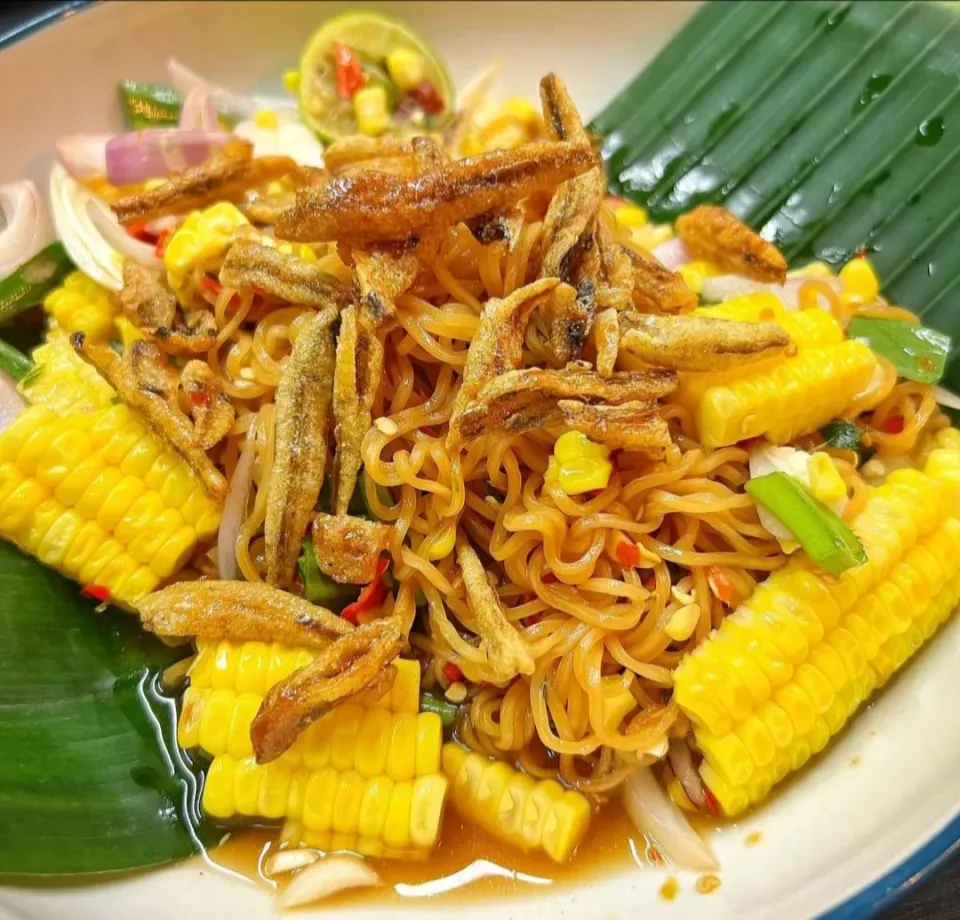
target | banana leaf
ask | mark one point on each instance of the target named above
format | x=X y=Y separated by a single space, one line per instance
x=91 y=779
x=828 y=126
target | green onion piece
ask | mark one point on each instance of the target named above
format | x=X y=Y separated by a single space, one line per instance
x=832 y=545
x=32 y=281
x=917 y=352
x=13 y=362
x=842 y=434
x=446 y=710
x=319 y=588
x=146 y=105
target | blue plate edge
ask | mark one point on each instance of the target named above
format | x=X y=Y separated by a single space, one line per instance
x=871 y=900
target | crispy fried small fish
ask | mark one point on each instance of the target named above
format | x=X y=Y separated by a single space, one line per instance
x=497 y=345
x=382 y=276
x=655 y=287
x=527 y=399
x=712 y=233
x=303 y=406
x=359 y=661
x=700 y=343
x=248 y=264
x=386 y=154
x=606 y=335
x=616 y=271
x=194 y=332
x=371 y=206
x=560 y=115
x=148 y=370
x=569 y=319
x=225 y=176
x=210 y=408
x=348 y=548
x=629 y=426
x=154 y=407
x=500 y=226
x=508 y=653
x=146 y=301
x=243 y=611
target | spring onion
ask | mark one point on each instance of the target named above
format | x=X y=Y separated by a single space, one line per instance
x=842 y=434
x=831 y=545
x=446 y=710
x=917 y=352
x=319 y=588
x=14 y=362
x=146 y=105
x=32 y=281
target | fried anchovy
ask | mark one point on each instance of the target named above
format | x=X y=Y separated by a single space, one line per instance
x=348 y=548
x=712 y=233
x=302 y=407
x=507 y=651
x=699 y=343
x=146 y=301
x=243 y=611
x=248 y=265
x=210 y=408
x=629 y=426
x=171 y=425
x=357 y=662
x=372 y=206
x=226 y=175
x=606 y=334
x=497 y=345
x=655 y=287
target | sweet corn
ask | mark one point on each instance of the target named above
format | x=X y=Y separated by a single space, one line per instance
x=530 y=814
x=94 y=493
x=631 y=217
x=859 y=283
x=695 y=273
x=522 y=109
x=371 y=110
x=128 y=332
x=291 y=80
x=266 y=119
x=810 y=328
x=201 y=240
x=62 y=381
x=578 y=464
x=82 y=305
x=406 y=68
x=784 y=673
x=442 y=545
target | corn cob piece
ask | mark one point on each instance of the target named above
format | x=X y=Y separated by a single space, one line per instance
x=375 y=816
x=810 y=328
x=784 y=673
x=294 y=834
x=62 y=381
x=97 y=496
x=529 y=814
x=82 y=305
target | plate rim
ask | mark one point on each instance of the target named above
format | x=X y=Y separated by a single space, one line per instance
x=872 y=899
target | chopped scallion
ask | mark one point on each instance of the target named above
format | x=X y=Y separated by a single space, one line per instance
x=446 y=710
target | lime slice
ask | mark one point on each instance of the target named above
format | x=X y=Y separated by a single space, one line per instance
x=371 y=36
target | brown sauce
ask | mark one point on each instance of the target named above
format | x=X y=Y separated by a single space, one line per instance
x=469 y=862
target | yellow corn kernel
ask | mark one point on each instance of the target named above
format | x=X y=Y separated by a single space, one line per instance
x=373 y=806
x=347 y=719
x=442 y=544
x=371 y=110
x=175 y=552
x=402 y=752
x=53 y=548
x=407 y=68
x=128 y=332
x=826 y=483
x=266 y=119
x=82 y=305
x=631 y=217
x=522 y=109
x=859 y=283
x=291 y=80
x=318 y=799
x=695 y=273
x=396 y=825
x=202 y=237
x=346 y=805
x=513 y=807
x=218 y=796
x=247 y=780
x=578 y=464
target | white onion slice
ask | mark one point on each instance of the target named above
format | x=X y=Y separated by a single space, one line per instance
x=672 y=254
x=199 y=112
x=725 y=287
x=227 y=101
x=84 y=155
x=291 y=139
x=945 y=398
x=28 y=227
x=681 y=762
x=291 y=860
x=235 y=506
x=325 y=878
x=656 y=817
x=84 y=243
x=109 y=227
x=11 y=402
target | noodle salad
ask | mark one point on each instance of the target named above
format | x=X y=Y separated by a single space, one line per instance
x=471 y=490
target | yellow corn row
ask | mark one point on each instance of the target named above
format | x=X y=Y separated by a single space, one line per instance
x=82 y=305
x=780 y=398
x=97 y=496
x=375 y=815
x=62 y=381
x=530 y=814
x=784 y=673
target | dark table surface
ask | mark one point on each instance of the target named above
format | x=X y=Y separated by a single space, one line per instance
x=935 y=899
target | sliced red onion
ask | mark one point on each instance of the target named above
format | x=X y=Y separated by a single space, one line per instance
x=28 y=227
x=945 y=398
x=227 y=101
x=84 y=155
x=673 y=254
x=11 y=402
x=657 y=818
x=199 y=112
x=141 y=155
x=235 y=507
x=681 y=762
x=725 y=287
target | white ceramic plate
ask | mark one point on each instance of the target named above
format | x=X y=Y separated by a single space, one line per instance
x=854 y=831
